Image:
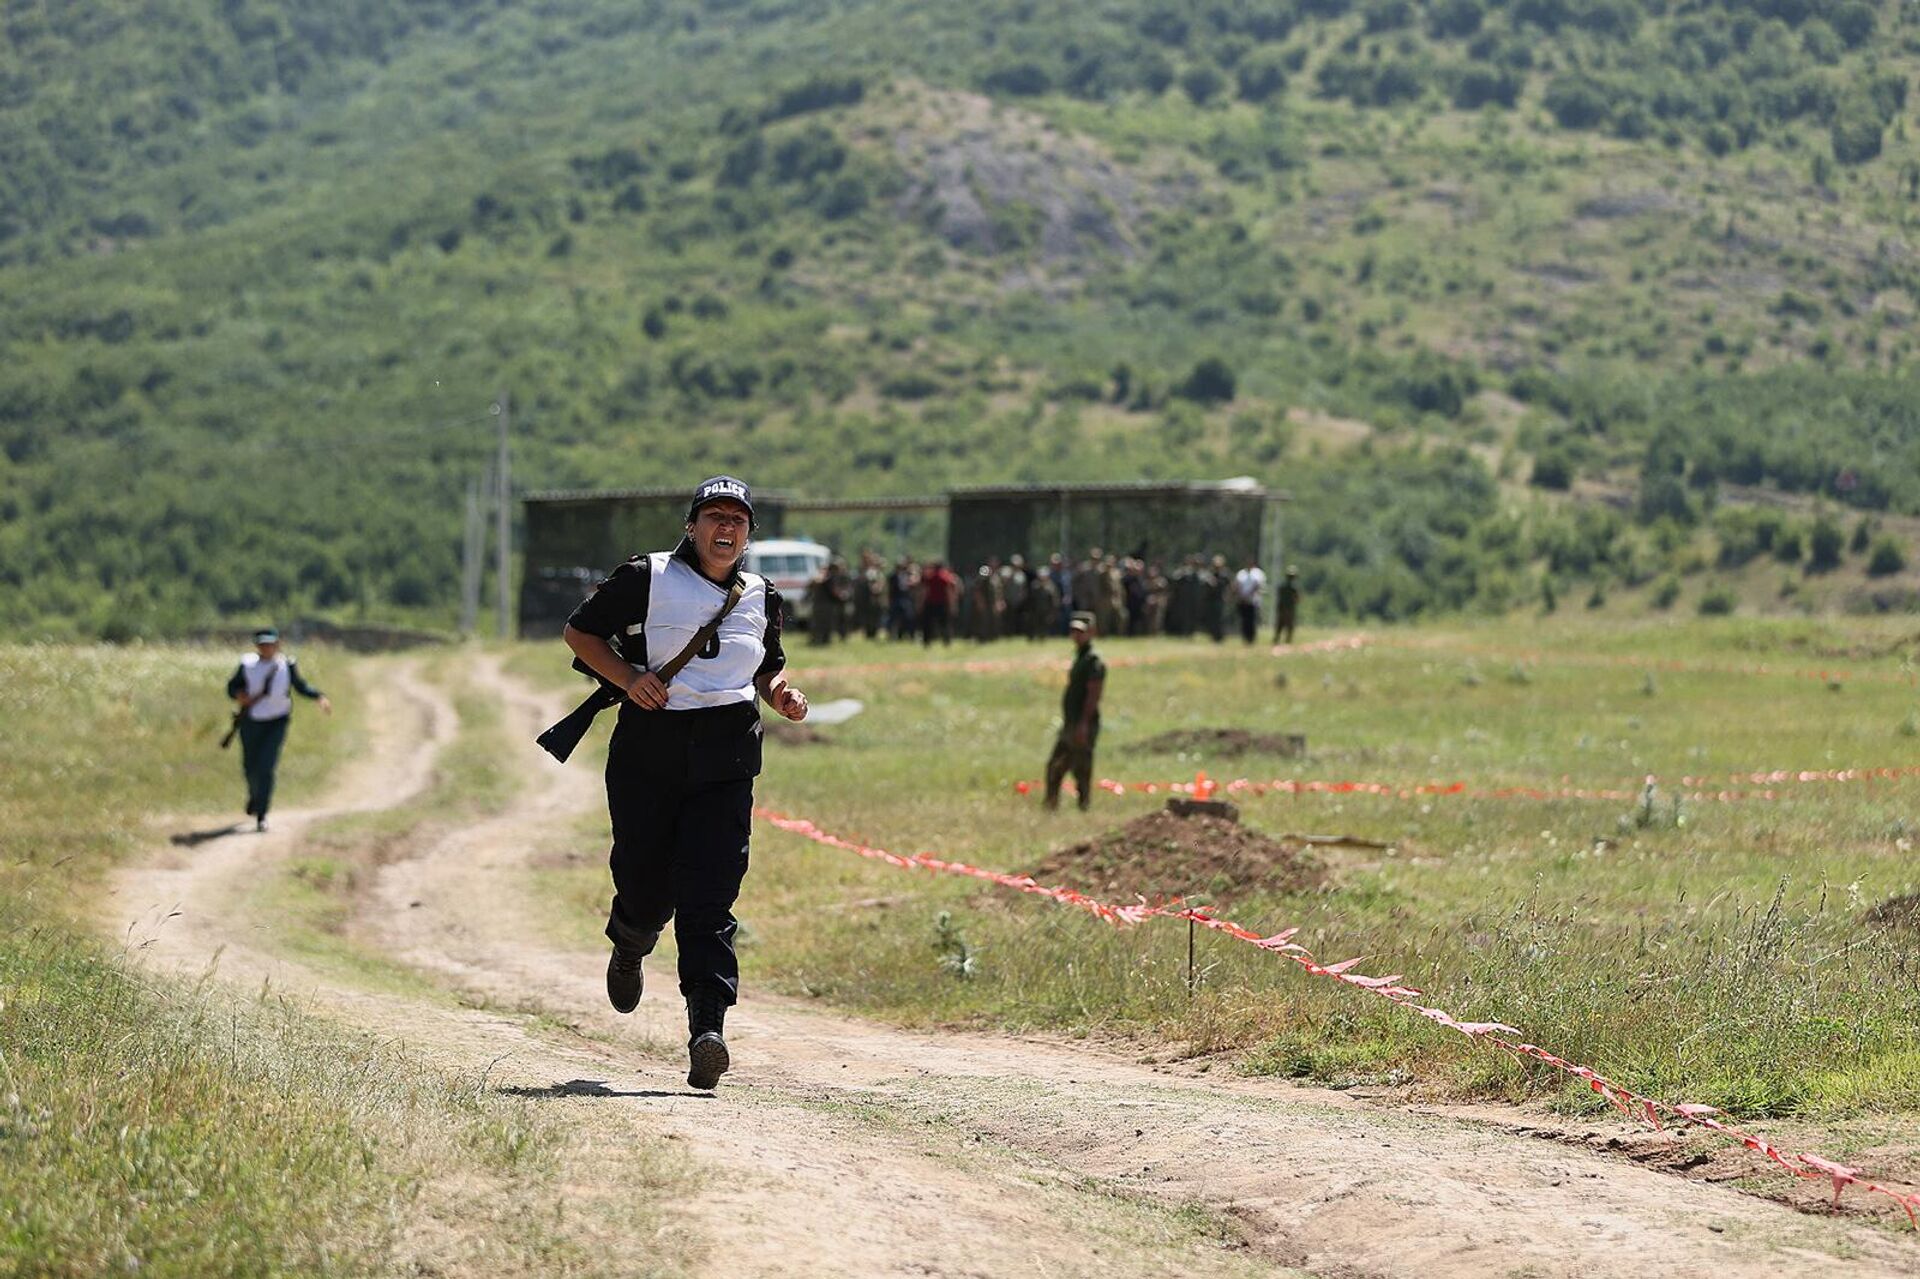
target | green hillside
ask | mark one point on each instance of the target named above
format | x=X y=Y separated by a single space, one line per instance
x=1533 y=299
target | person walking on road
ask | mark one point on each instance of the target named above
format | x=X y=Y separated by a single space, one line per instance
x=699 y=643
x=1079 y=716
x=262 y=688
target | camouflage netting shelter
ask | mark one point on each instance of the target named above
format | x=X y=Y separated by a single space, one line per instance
x=1158 y=521
x=574 y=536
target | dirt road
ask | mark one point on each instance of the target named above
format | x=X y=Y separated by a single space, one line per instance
x=838 y=1147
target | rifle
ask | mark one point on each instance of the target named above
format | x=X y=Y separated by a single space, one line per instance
x=240 y=713
x=560 y=740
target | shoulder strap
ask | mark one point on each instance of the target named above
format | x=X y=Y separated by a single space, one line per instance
x=703 y=635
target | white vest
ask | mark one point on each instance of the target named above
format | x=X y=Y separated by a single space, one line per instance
x=679 y=603
x=274 y=679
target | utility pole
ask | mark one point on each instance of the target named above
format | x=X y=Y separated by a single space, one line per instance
x=503 y=478
x=473 y=551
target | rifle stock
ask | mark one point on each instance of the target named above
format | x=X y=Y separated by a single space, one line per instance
x=560 y=740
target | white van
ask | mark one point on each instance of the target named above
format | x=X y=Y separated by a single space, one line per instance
x=789 y=564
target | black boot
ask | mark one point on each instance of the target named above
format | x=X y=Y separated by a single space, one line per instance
x=706 y=1050
x=623 y=974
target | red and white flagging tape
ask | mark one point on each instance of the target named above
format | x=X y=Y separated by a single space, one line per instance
x=1631 y=1104
x=1695 y=789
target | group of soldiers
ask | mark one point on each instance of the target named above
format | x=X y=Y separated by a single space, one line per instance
x=1126 y=594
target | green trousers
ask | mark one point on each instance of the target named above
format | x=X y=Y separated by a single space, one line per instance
x=1070 y=758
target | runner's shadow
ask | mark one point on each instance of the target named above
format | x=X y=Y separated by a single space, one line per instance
x=193 y=838
x=589 y=1088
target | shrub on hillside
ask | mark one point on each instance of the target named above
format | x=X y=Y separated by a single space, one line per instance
x=1021 y=80
x=1455 y=18
x=1577 y=102
x=817 y=94
x=1211 y=382
x=1476 y=86
x=1887 y=557
x=1856 y=134
x=1261 y=75
x=1825 y=543
x=1853 y=22
x=1435 y=385
x=1718 y=602
x=1203 y=83
x=1553 y=470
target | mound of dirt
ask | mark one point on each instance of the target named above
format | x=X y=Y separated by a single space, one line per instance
x=789 y=733
x=1225 y=743
x=1896 y=912
x=1160 y=856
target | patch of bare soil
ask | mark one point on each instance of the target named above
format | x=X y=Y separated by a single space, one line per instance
x=1159 y=856
x=1225 y=743
x=992 y=180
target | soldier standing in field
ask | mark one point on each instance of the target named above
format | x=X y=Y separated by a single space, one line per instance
x=1079 y=716
x=1286 y=605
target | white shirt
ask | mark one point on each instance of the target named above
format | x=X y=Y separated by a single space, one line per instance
x=1249 y=583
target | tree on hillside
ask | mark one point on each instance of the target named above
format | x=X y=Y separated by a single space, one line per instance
x=1211 y=382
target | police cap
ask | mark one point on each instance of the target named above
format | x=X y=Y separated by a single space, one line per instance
x=721 y=488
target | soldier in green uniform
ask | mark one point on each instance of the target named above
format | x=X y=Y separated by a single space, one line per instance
x=1079 y=716
x=1287 y=608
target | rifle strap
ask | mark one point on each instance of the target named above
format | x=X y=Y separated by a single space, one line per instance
x=703 y=636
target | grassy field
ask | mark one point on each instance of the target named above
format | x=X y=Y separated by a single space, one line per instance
x=164 y=1129
x=1698 y=950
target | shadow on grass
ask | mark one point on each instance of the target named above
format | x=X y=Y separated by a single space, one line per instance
x=591 y=1088
x=194 y=838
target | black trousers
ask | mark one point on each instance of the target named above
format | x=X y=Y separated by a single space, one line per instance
x=679 y=853
x=1249 y=620
x=260 y=743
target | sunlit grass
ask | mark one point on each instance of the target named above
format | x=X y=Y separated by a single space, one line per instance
x=164 y=1128
x=1705 y=951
